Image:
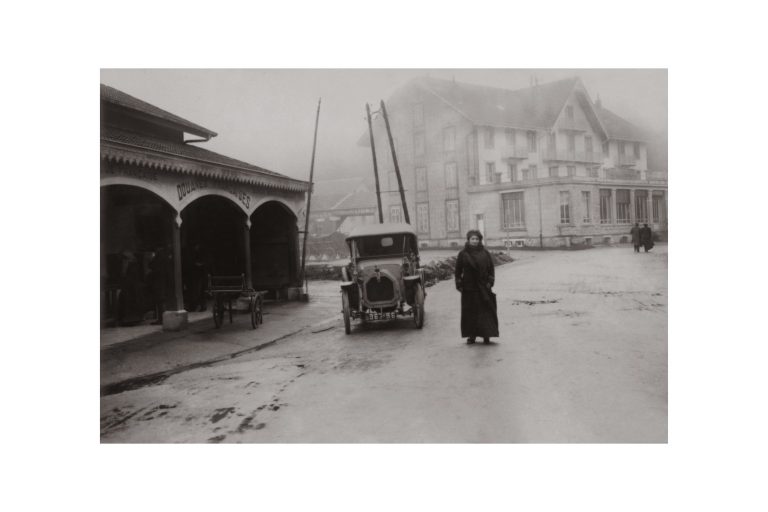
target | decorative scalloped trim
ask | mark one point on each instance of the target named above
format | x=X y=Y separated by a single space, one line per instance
x=165 y=166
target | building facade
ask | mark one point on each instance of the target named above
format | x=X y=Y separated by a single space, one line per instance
x=540 y=167
x=173 y=212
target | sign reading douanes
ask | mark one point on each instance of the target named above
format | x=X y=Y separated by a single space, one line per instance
x=186 y=187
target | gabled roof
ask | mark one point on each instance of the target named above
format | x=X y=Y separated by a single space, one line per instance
x=619 y=128
x=358 y=200
x=533 y=107
x=116 y=97
x=328 y=193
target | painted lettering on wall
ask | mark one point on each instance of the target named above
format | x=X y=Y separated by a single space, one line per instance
x=187 y=187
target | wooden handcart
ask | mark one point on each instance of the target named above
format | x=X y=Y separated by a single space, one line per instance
x=226 y=289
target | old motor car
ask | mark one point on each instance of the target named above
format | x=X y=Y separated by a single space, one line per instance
x=383 y=279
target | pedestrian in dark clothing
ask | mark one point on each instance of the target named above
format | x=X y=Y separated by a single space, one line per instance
x=635 y=232
x=474 y=278
x=646 y=238
x=131 y=296
x=160 y=270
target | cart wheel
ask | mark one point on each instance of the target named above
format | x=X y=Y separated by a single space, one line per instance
x=418 y=307
x=259 y=309
x=345 y=311
x=255 y=312
x=218 y=313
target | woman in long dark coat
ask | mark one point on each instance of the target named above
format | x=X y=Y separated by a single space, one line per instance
x=474 y=279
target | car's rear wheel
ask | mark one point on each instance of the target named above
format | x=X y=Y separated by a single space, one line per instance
x=418 y=306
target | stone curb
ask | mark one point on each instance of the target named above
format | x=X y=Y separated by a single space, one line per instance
x=158 y=377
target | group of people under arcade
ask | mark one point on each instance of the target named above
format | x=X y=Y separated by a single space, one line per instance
x=143 y=286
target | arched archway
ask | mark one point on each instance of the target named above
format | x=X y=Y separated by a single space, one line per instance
x=136 y=256
x=274 y=246
x=212 y=242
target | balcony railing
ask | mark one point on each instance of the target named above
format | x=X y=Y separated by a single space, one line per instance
x=656 y=176
x=514 y=152
x=591 y=157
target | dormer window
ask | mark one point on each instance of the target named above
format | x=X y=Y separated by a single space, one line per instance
x=489 y=136
x=418 y=115
x=531 y=136
x=449 y=138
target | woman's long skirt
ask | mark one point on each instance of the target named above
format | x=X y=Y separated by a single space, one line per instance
x=478 y=314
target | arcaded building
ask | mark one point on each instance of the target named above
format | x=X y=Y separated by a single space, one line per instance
x=173 y=212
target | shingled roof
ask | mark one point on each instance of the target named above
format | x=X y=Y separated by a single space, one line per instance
x=619 y=128
x=187 y=158
x=532 y=107
x=116 y=97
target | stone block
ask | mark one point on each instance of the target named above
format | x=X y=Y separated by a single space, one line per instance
x=175 y=320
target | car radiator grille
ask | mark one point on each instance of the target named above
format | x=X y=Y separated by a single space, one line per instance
x=377 y=291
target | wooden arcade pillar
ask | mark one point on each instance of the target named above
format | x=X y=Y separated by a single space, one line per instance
x=176 y=318
x=247 y=241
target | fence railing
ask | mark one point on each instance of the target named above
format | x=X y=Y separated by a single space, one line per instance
x=564 y=155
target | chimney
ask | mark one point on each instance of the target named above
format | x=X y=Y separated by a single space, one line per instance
x=598 y=103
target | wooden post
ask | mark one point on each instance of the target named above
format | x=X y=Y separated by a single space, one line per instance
x=397 y=167
x=309 y=196
x=375 y=168
x=178 y=291
x=247 y=240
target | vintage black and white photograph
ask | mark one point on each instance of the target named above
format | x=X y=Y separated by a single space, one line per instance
x=384 y=255
x=393 y=256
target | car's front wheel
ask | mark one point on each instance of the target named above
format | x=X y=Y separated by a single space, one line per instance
x=345 y=311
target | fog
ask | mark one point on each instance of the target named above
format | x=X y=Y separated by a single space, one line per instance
x=266 y=116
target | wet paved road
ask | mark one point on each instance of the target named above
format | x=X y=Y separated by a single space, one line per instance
x=582 y=358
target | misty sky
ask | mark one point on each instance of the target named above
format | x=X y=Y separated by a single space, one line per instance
x=266 y=117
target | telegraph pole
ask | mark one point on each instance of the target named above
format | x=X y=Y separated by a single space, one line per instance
x=309 y=198
x=394 y=160
x=375 y=168
x=541 y=222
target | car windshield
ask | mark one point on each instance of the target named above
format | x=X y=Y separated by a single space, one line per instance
x=383 y=245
